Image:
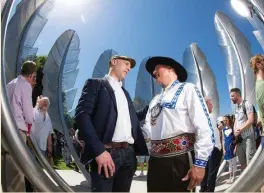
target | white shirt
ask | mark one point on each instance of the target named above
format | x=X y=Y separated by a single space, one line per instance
x=241 y=119
x=41 y=129
x=216 y=135
x=123 y=129
x=185 y=112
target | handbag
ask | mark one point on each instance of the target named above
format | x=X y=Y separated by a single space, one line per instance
x=239 y=139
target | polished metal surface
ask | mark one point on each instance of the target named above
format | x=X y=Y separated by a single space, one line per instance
x=200 y=74
x=46 y=165
x=15 y=145
x=59 y=76
x=259 y=8
x=51 y=79
x=236 y=49
x=146 y=87
x=101 y=67
x=257 y=20
x=18 y=28
x=252 y=178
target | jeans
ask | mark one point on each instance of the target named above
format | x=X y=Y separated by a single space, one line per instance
x=125 y=166
x=208 y=183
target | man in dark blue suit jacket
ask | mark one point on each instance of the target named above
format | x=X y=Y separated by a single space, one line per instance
x=109 y=126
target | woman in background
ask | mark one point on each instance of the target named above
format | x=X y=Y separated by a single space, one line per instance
x=229 y=146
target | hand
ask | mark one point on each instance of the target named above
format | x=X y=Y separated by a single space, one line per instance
x=105 y=160
x=220 y=126
x=81 y=144
x=38 y=98
x=238 y=132
x=196 y=175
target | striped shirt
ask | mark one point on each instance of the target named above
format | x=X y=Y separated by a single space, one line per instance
x=241 y=119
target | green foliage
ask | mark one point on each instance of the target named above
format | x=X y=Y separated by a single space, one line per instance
x=39 y=60
x=68 y=118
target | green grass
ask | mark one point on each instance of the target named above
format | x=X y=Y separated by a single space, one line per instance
x=59 y=164
x=145 y=167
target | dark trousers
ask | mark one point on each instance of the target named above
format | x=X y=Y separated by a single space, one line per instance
x=165 y=174
x=208 y=183
x=125 y=166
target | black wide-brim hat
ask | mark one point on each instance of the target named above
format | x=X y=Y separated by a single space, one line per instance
x=179 y=69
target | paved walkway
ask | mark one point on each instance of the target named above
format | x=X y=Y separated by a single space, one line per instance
x=139 y=183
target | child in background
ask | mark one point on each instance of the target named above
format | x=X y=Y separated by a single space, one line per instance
x=229 y=146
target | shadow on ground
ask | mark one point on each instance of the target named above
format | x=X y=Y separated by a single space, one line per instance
x=140 y=178
x=83 y=187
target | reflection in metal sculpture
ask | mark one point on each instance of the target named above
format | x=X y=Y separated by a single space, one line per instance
x=200 y=74
x=15 y=145
x=257 y=23
x=237 y=53
x=59 y=75
x=53 y=174
x=21 y=36
x=31 y=33
x=146 y=88
x=252 y=178
x=258 y=8
x=102 y=65
x=62 y=52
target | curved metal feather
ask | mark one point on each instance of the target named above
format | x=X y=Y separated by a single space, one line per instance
x=146 y=88
x=102 y=65
x=255 y=20
x=17 y=29
x=259 y=7
x=237 y=53
x=200 y=74
x=59 y=77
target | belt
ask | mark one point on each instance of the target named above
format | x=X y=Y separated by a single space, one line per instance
x=173 y=146
x=117 y=145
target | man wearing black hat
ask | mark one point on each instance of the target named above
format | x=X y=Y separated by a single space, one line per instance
x=109 y=126
x=181 y=131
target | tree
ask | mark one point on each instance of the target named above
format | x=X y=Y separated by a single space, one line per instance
x=68 y=118
x=37 y=91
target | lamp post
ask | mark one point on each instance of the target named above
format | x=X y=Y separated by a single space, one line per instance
x=247 y=8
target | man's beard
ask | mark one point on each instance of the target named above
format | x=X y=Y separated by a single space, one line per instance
x=234 y=101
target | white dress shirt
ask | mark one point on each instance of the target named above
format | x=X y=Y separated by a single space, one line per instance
x=184 y=111
x=123 y=129
x=41 y=129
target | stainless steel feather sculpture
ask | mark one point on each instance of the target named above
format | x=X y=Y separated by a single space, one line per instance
x=146 y=87
x=200 y=74
x=102 y=65
x=236 y=49
x=22 y=32
x=256 y=21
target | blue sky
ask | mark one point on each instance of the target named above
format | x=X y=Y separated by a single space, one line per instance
x=141 y=28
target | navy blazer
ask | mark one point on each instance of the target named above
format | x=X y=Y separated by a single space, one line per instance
x=96 y=116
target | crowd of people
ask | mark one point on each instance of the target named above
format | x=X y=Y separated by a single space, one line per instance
x=179 y=140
